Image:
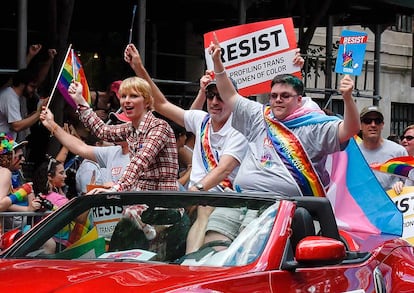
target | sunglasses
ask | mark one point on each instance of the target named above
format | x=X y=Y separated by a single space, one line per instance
x=50 y=164
x=408 y=137
x=377 y=121
x=211 y=95
x=20 y=156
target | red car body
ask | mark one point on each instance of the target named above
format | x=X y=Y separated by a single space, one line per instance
x=351 y=263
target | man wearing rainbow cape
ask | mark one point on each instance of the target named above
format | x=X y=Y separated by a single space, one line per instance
x=288 y=143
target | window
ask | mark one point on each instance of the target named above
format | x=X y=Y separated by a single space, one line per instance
x=402 y=115
x=403 y=24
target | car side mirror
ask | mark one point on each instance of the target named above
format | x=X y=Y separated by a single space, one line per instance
x=319 y=249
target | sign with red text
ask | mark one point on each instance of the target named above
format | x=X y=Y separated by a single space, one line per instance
x=405 y=203
x=351 y=52
x=254 y=53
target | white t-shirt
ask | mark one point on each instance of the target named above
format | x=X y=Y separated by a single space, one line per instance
x=85 y=173
x=9 y=110
x=226 y=141
x=262 y=170
x=115 y=162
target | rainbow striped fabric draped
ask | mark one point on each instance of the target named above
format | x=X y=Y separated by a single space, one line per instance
x=400 y=166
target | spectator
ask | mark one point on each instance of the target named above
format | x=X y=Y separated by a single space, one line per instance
x=395 y=138
x=407 y=141
x=48 y=183
x=19 y=159
x=291 y=151
x=375 y=148
x=8 y=196
x=11 y=120
x=18 y=180
x=151 y=141
x=104 y=103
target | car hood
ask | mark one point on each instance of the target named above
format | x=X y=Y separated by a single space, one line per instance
x=91 y=276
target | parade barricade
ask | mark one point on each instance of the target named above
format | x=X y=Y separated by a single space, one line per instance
x=20 y=220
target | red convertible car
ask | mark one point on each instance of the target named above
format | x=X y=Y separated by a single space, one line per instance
x=137 y=241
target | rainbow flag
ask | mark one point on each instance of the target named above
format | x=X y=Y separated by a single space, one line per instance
x=360 y=203
x=400 y=166
x=73 y=70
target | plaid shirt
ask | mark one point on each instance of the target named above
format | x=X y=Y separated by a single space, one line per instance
x=152 y=147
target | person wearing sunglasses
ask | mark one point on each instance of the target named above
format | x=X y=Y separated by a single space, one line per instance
x=288 y=142
x=407 y=141
x=374 y=147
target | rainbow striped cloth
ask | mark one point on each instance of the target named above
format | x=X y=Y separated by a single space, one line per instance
x=210 y=160
x=400 y=166
x=73 y=70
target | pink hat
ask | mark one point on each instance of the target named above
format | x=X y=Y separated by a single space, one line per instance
x=115 y=87
x=119 y=117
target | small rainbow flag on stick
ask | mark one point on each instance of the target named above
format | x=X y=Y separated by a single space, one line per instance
x=400 y=166
x=71 y=70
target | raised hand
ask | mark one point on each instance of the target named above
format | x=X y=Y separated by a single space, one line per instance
x=346 y=86
x=75 y=92
x=132 y=56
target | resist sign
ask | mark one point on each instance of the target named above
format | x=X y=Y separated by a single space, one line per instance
x=254 y=53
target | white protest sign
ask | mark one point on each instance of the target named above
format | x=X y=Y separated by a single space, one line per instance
x=256 y=52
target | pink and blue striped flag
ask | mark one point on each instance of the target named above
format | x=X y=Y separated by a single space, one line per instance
x=358 y=199
x=73 y=70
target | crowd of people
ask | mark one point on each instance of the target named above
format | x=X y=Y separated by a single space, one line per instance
x=133 y=138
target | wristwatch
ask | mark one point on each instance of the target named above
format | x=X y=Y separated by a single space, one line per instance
x=199 y=186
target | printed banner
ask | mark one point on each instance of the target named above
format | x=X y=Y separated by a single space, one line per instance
x=105 y=219
x=254 y=53
x=405 y=203
x=351 y=52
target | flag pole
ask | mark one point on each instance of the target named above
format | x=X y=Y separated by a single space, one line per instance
x=132 y=24
x=57 y=79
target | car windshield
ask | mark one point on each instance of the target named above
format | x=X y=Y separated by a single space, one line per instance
x=150 y=226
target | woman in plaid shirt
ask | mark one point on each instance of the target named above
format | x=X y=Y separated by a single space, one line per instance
x=151 y=141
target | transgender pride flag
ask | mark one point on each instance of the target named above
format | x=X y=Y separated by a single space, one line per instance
x=72 y=70
x=359 y=201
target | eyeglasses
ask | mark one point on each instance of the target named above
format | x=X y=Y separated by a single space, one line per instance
x=408 y=137
x=211 y=95
x=377 y=121
x=283 y=96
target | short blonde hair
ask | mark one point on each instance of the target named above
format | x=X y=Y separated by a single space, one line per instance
x=139 y=85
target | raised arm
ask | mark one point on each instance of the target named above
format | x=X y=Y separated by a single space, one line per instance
x=161 y=104
x=224 y=85
x=71 y=142
x=351 y=124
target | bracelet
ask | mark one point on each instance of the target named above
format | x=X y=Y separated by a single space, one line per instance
x=53 y=130
x=221 y=72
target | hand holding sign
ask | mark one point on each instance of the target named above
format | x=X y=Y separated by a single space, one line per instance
x=254 y=53
x=346 y=86
x=351 y=52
